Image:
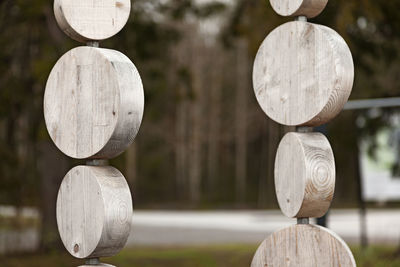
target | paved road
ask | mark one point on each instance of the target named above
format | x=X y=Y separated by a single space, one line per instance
x=175 y=228
x=197 y=228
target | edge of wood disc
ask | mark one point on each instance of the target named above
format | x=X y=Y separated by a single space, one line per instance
x=303 y=74
x=86 y=28
x=308 y=8
x=303 y=245
x=87 y=122
x=304 y=175
x=94 y=211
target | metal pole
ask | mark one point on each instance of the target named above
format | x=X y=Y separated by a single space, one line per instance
x=303 y=220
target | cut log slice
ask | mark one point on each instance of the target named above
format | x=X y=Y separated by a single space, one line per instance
x=93 y=103
x=303 y=74
x=304 y=175
x=85 y=20
x=94 y=211
x=303 y=246
x=308 y=8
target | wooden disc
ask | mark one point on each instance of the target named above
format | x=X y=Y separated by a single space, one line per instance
x=308 y=8
x=85 y=20
x=303 y=74
x=93 y=103
x=94 y=211
x=304 y=175
x=304 y=245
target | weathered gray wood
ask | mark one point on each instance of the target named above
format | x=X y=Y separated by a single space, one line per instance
x=303 y=246
x=85 y=20
x=303 y=74
x=304 y=175
x=93 y=103
x=94 y=211
x=308 y=8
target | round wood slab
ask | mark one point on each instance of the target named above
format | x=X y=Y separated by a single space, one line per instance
x=94 y=211
x=303 y=246
x=93 y=103
x=85 y=20
x=303 y=74
x=304 y=175
x=308 y=8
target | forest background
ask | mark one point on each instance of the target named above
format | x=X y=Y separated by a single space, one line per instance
x=204 y=142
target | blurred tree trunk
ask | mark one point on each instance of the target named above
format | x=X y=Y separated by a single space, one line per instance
x=195 y=154
x=263 y=173
x=131 y=166
x=242 y=87
x=273 y=140
x=53 y=166
x=181 y=147
x=197 y=118
x=214 y=118
x=360 y=197
x=181 y=78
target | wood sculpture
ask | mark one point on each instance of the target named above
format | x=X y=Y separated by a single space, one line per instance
x=303 y=75
x=93 y=108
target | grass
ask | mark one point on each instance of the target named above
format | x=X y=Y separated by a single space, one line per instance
x=377 y=257
x=210 y=256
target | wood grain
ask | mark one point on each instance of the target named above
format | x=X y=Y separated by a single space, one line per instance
x=85 y=20
x=304 y=175
x=93 y=103
x=303 y=74
x=308 y=8
x=303 y=245
x=94 y=211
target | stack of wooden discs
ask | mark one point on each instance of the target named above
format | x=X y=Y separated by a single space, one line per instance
x=93 y=108
x=303 y=75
